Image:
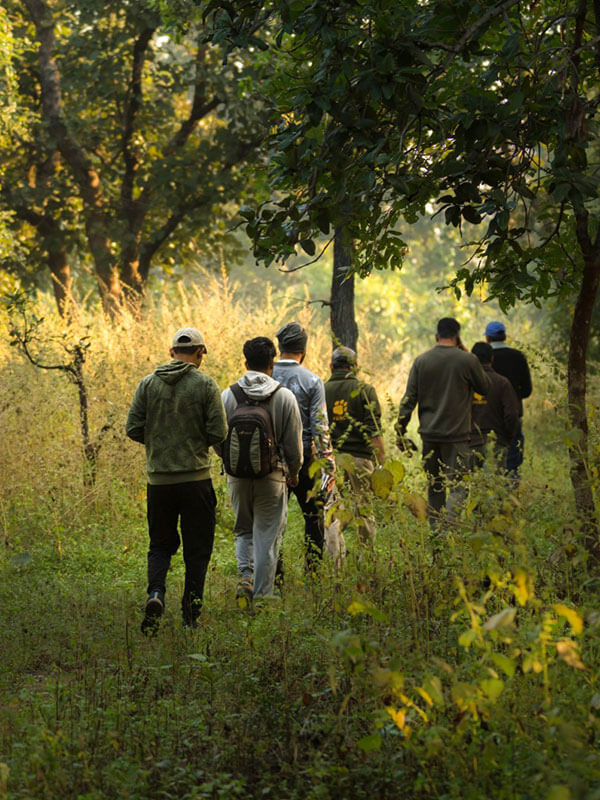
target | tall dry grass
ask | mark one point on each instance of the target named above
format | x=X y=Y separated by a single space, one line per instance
x=41 y=458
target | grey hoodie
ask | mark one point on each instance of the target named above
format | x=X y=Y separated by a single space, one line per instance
x=177 y=414
x=287 y=425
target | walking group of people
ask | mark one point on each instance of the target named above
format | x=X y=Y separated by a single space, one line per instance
x=277 y=420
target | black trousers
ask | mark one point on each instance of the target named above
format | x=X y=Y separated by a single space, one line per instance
x=312 y=512
x=193 y=505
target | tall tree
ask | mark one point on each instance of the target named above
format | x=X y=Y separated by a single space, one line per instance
x=489 y=109
x=136 y=141
x=343 y=319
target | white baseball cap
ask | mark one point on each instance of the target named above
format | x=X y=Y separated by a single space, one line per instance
x=188 y=337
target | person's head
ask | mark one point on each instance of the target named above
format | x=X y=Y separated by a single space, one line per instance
x=188 y=345
x=495 y=332
x=484 y=352
x=259 y=354
x=448 y=329
x=292 y=340
x=344 y=358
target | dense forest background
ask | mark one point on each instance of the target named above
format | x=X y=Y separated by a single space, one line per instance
x=365 y=168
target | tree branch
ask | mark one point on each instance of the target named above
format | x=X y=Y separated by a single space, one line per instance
x=474 y=29
x=133 y=103
x=200 y=106
x=83 y=170
x=576 y=49
x=582 y=231
x=199 y=109
x=149 y=249
x=312 y=261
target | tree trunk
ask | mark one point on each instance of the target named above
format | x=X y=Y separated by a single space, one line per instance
x=84 y=172
x=343 y=323
x=134 y=286
x=577 y=384
x=62 y=282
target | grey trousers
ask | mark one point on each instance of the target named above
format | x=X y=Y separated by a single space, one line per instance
x=260 y=507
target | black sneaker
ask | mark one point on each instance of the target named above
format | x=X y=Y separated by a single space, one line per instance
x=155 y=606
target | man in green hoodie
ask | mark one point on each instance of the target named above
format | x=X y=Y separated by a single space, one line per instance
x=177 y=413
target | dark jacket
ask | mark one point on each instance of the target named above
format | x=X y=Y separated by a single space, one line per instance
x=498 y=411
x=442 y=381
x=354 y=413
x=513 y=365
x=177 y=413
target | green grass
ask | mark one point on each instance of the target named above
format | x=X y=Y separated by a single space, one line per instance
x=466 y=667
x=291 y=702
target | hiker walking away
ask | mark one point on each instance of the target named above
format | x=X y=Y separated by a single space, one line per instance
x=309 y=392
x=355 y=424
x=177 y=414
x=441 y=382
x=511 y=363
x=496 y=412
x=262 y=456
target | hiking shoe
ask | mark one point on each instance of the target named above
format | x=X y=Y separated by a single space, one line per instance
x=155 y=606
x=244 y=593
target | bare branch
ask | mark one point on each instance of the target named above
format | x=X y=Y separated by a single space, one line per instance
x=308 y=263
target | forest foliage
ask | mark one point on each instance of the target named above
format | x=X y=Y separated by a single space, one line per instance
x=466 y=667
x=134 y=138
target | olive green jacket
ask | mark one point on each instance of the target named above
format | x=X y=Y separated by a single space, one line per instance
x=354 y=413
x=177 y=413
x=441 y=382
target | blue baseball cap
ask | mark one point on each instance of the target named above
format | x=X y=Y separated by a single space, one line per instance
x=494 y=328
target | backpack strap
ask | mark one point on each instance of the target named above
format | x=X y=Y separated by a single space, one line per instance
x=239 y=394
x=243 y=399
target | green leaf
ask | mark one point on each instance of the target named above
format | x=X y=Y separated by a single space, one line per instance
x=308 y=246
x=397 y=470
x=471 y=215
x=467 y=638
x=492 y=688
x=369 y=743
x=433 y=686
x=504 y=663
x=382 y=482
x=360 y=607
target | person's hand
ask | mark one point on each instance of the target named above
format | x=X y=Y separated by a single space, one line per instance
x=291 y=482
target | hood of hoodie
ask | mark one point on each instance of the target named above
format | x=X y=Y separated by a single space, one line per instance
x=257 y=385
x=174 y=371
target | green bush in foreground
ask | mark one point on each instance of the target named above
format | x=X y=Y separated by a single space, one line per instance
x=459 y=667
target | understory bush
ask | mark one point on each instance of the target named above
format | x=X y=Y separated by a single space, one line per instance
x=457 y=666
